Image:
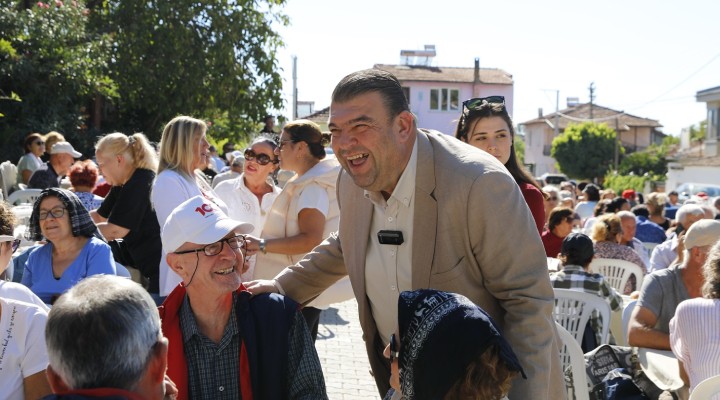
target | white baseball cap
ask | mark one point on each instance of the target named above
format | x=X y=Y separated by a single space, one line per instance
x=702 y=233
x=65 y=147
x=198 y=220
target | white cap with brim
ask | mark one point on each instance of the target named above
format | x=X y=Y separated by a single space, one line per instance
x=198 y=220
x=705 y=232
x=65 y=147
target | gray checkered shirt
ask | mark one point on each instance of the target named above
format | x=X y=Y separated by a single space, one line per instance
x=213 y=368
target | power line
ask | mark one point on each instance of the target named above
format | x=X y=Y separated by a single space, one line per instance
x=681 y=82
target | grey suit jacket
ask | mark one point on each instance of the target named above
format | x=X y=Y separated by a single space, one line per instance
x=473 y=234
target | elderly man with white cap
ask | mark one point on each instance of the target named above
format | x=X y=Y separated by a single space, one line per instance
x=62 y=157
x=663 y=290
x=225 y=344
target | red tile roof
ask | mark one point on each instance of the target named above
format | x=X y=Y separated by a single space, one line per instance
x=600 y=114
x=446 y=74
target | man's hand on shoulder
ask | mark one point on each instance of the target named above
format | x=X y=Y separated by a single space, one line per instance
x=261 y=286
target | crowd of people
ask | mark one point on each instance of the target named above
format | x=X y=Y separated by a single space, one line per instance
x=178 y=272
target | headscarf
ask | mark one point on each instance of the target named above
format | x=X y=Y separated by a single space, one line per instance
x=441 y=333
x=80 y=220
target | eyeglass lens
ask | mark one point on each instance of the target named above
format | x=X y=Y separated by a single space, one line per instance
x=56 y=212
x=262 y=159
x=235 y=242
x=40 y=143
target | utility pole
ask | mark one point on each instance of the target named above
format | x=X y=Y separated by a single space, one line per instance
x=592 y=97
x=557 y=113
x=617 y=144
x=294 y=89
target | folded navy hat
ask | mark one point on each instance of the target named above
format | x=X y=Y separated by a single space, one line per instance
x=441 y=333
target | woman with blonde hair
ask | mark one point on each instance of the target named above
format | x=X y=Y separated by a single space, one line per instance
x=183 y=149
x=607 y=234
x=128 y=163
x=51 y=138
x=655 y=203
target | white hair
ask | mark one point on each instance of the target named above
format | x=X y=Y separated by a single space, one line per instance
x=101 y=333
x=686 y=210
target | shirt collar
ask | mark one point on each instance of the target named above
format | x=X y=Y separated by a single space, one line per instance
x=405 y=188
x=189 y=326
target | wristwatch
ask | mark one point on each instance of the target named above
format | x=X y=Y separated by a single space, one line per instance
x=262 y=246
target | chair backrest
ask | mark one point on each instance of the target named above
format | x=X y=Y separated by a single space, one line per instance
x=627 y=312
x=573 y=309
x=617 y=272
x=27 y=196
x=571 y=355
x=706 y=389
x=8 y=171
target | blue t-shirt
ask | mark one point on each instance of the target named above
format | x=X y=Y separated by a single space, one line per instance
x=94 y=258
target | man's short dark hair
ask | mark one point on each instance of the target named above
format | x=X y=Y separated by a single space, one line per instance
x=641 y=210
x=373 y=80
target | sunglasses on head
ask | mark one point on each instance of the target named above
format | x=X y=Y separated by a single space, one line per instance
x=474 y=104
x=262 y=159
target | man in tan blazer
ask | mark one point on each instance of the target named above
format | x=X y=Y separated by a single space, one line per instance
x=420 y=209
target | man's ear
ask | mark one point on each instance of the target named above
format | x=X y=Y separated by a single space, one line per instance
x=158 y=363
x=175 y=264
x=406 y=125
x=56 y=383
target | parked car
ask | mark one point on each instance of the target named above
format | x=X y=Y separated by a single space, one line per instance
x=687 y=190
x=553 y=179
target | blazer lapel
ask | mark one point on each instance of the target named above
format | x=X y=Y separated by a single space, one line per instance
x=425 y=218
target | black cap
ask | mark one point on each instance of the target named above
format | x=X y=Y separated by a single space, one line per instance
x=577 y=246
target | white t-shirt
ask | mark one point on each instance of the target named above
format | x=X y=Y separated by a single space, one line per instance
x=243 y=205
x=168 y=191
x=22 y=346
x=694 y=338
x=19 y=292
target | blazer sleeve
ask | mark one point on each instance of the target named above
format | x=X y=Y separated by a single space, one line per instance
x=508 y=250
x=317 y=271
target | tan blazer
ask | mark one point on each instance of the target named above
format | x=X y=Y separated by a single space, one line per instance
x=473 y=235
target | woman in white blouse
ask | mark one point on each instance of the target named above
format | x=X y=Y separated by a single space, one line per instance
x=695 y=329
x=34 y=148
x=250 y=195
x=183 y=149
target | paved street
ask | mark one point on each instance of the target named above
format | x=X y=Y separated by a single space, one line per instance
x=342 y=354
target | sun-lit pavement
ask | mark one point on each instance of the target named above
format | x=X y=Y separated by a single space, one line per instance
x=342 y=354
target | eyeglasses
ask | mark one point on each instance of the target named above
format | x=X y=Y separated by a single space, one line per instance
x=40 y=143
x=281 y=143
x=394 y=353
x=553 y=198
x=56 y=212
x=474 y=104
x=260 y=158
x=8 y=238
x=236 y=243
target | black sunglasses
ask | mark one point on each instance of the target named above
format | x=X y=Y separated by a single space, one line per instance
x=474 y=104
x=262 y=159
x=394 y=353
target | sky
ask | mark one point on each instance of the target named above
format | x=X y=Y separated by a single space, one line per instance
x=647 y=58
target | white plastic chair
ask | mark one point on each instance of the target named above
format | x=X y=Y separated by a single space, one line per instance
x=617 y=272
x=573 y=309
x=627 y=312
x=8 y=171
x=706 y=389
x=571 y=355
x=27 y=196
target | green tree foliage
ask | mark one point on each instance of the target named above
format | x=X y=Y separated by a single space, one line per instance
x=618 y=183
x=585 y=151
x=519 y=145
x=135 y=65
x=50 y=61
x=697 y=131
x=650 y=161
x=212 y=59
